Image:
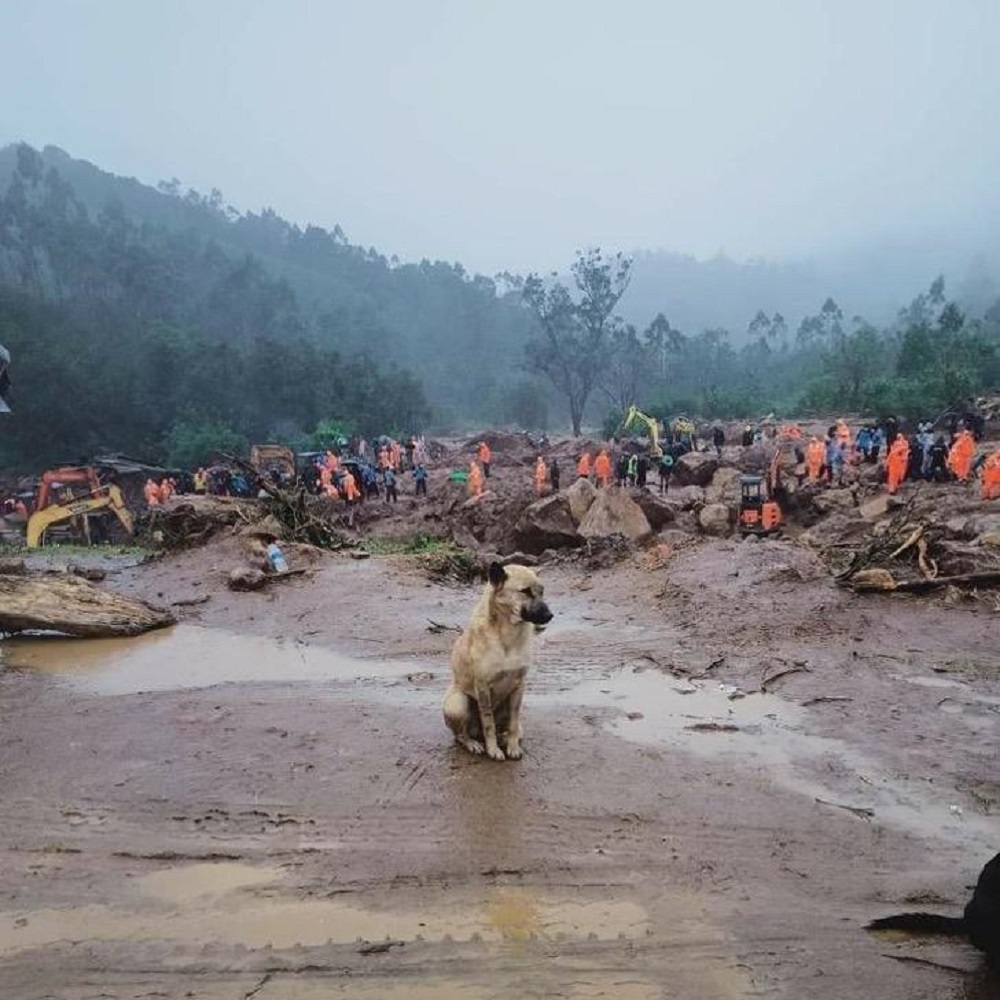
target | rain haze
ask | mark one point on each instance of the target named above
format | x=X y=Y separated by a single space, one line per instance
x=504 y=136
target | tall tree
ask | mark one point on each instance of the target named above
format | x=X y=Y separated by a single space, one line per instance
x=571 y=346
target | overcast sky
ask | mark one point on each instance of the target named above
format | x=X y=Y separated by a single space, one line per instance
x=506 y=133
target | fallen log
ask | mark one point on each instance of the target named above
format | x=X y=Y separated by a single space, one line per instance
x=67 y=604
x=882 y=580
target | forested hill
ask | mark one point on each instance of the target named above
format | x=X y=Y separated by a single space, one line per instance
x=138 y=316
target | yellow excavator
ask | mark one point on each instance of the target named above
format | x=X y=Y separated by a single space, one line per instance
x=634 y=416
x=100 y=498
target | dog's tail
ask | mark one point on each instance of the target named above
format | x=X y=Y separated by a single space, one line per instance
x=920 y=923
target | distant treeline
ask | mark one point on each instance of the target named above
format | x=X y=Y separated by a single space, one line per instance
x=166 y=323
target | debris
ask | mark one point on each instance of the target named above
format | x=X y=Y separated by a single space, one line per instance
x=862 y=812
x=379 y=947
x=249 y=578
x=825 y=699
x=190 y=602
x=436 y=628
x=713 y=727
x=924 y=961
x=796 y=668
x=67 y=604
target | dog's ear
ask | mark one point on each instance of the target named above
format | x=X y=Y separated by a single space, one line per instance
x=497 y=574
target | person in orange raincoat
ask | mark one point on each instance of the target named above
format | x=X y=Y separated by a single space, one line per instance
x=541 y=476
x=583 y=466
x=350 y=487
x=152 y=493
x=991 y=477
x=960 y=456
x=383 y=458
x=815 y=456
x=475 y=480
x=602 y=468
x=485 y=457
x=896 y=462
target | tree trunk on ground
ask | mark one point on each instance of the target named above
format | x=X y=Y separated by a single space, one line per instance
x=72 y=606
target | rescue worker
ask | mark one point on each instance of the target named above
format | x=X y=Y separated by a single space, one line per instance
x=632 y=469
x=938 y=468
x=641 y=469
x=350 y=487
x=200 y=482
x=485 y=457
x=602 y=468
x=166 y=489
x=583 y=466
x=475 y=480
x=896 y=463
x=718 y=439
x=541 y=477
x=815 y=457
x=960 y=457
x=420 y=480
x=665 y=467
x=554 y=475
x=390 y=486
x=152 y=493
x=991 y=477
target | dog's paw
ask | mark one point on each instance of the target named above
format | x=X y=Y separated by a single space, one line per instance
x=474 y=746
x=514 y=751
x=496 y=753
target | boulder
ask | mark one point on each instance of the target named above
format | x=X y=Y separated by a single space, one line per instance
x=614 y=512
x=829 y=501
x=955 y=558
x=876 y=508
x=686 y=497
x=724 y=487
x=990 y=539
x=580 y=496
x=716 y=519
x=658 y=510
x=547 y=524
x=838 y=528
x=696 y=468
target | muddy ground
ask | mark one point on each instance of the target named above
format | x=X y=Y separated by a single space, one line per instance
x=730 y=766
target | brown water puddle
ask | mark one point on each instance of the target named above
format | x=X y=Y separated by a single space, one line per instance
x=183 y=657
x=238 y=905
x=767 y=733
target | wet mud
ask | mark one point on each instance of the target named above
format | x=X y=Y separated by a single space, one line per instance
x=721 y=786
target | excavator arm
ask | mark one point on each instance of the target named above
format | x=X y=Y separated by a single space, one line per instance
x=109 y=498
x=635 y=415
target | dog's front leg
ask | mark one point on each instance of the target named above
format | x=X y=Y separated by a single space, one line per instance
x=514 y=726
x=485 y=699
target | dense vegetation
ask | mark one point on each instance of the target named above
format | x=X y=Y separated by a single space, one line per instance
x=168 y=324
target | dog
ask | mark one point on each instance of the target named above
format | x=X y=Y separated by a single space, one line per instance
x=980 y=922
x=490 y=660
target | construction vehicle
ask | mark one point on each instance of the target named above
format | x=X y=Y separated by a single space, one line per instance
x=635 y=415
x=274 y=462
x=74 y=505
x=760 y=512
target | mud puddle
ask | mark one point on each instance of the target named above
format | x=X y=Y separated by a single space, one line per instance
x=185 y=657
x=767 y=734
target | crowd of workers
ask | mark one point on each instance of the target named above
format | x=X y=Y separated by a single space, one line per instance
x=922 y=455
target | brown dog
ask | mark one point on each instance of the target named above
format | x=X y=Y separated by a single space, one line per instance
x=489 y=662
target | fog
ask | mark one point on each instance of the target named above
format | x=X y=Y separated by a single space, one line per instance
x=506 y=135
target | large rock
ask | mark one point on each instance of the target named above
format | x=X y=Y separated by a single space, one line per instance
x=547 y=524
x=614 y=512
x=839 y=500
x=981 y=524
x=686 y=497
x=658 y=510
x=724 y=487
x=837 y=529
x=954 y=558
x=580 y=496
x=715 y=519
x=696 y=468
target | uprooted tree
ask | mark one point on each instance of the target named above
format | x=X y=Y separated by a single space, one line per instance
x=574 y=335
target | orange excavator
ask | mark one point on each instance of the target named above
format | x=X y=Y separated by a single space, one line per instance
x=71 y=494
x=760 y=511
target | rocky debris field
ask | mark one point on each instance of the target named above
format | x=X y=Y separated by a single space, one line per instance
x=734 y=756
